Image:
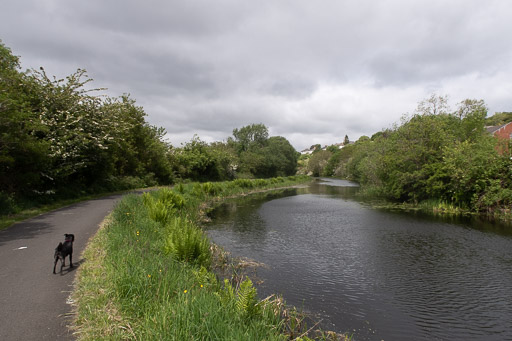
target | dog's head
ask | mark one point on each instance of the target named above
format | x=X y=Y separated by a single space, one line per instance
x=68 y=237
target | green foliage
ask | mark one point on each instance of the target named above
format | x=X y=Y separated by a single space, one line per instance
x=210 y=188
x=7 y=203
x=158 y=210
x=499 y=118
x=318 y=161
x=262 y=156
x=434 y=155
x=187 y=243
x=199 y=162
x=244 y=183
x=346 y=141
x=23 y=155
x=247 y=301
x=243 y=297
x=253 y=136
x=171 y=199
x=59 y=139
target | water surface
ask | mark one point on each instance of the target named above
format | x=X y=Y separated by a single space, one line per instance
x=378 y=274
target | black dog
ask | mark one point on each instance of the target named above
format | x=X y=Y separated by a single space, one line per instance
x=64 y=250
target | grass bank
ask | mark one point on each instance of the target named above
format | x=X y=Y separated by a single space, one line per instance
x=148 y=275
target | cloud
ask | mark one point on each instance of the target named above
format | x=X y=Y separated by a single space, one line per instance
x=312 y=72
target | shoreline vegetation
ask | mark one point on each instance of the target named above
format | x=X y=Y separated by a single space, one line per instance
x=149 y=274
x=437 y=208
x=438 y=159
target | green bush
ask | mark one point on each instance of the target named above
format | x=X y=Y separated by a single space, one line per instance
x=7 y=204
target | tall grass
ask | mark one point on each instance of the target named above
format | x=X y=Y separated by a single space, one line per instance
x=441 y=207
x=148 y=276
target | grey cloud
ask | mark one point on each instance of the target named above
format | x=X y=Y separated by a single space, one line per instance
x=307 y=70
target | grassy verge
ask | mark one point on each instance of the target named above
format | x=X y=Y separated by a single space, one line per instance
x=148 y=275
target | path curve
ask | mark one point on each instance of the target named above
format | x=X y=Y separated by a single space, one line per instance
x=33 y=301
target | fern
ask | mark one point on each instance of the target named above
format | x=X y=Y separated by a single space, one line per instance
x=180 y=188
x=187 y=243
x=171 y=198
x=247 y=301
x=228 y=294
x=210 y=188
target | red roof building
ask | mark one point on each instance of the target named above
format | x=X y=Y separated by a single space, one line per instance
x=504 y=134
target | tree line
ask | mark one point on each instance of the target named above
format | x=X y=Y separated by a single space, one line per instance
x=59 y=138
x=435 y=155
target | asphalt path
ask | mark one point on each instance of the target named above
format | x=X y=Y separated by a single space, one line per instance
x=34 y=303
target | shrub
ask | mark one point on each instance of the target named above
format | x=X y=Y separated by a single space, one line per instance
x=7 y=203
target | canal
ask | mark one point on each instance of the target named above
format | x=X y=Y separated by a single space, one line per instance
x=374 y=273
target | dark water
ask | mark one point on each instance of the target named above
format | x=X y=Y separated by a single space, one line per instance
x=376 y=274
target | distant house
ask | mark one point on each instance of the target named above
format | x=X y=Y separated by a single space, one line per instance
x=504 y=134
x=307 y=151
x=310 y=150
x=503 y=131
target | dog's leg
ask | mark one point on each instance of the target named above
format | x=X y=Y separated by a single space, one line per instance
x=71 y=260
x=55 y=265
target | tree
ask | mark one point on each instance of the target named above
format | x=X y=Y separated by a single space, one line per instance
x=499 y=118
x=57 y=137
x=346 y=141
x=194 y=161
x=281 y=158
x=318 y=161
x=437 y=155
x=472 y=114
x=22 y=153
x=434 y=105
x=261 y=156
x=316 y=148
x=251 y=136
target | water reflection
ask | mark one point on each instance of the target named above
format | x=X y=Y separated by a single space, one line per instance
x=381 y=275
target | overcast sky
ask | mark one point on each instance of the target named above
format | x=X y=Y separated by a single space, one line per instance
x=311 y=71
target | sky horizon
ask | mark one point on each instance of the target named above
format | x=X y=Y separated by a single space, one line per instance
x=311 y=72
